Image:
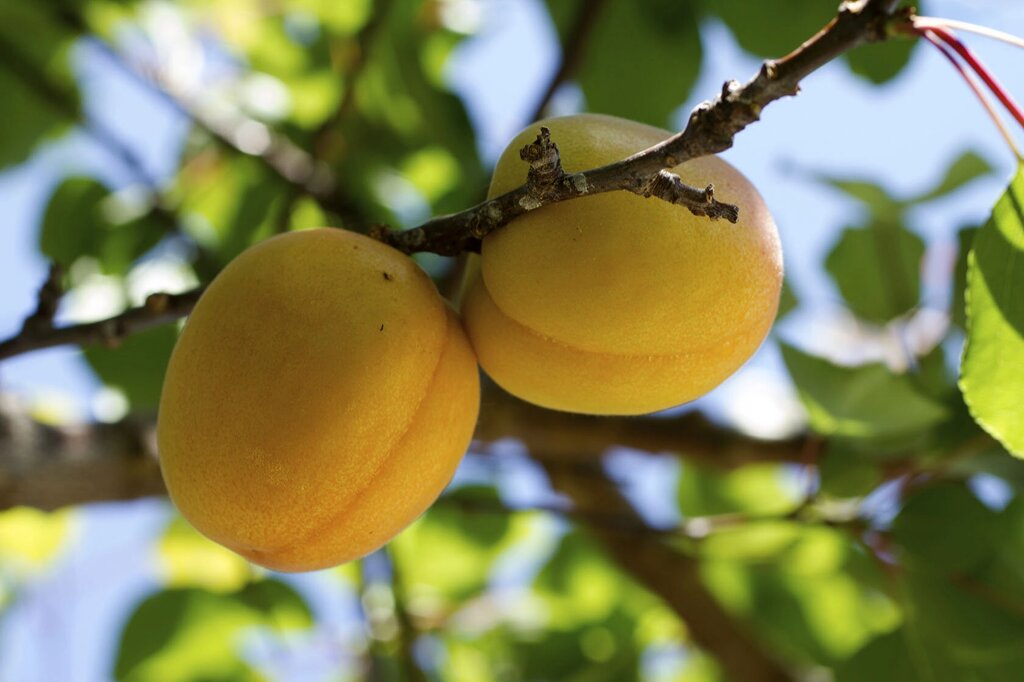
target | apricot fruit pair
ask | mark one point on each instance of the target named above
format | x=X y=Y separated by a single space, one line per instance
x=617 y=304
x=318 y=400
x=322 y=393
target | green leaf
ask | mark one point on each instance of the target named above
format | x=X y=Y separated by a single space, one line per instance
x=641 y=60
x=882 y=61
x=788 y=300
x=878 y=199
x=191 y=635
x=137 y=366
x=883 y=658
x=772 y=29
x=754 y=489
x=992 y=370
x=944 y=528
x=30 y=539
x=957 y=310
x=817 y=600
x=78 y=222
x=845 y=473
x=447 y=554
x=877 y=270
x=188 y=559
x=230 y=203
x=39 y=96
x=978 y=629
x=968 y=166
x=867 y=401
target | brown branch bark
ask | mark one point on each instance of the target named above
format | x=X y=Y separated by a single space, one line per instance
x=158 y=309
x=49 y=467
x=674 y=577
x=711 y=129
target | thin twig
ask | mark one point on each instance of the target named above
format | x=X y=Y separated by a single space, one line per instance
x=711 y=129
x=158 y=309
x=573 y=50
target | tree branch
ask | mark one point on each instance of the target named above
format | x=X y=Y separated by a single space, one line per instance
x=710 y=130
x=49 y=467
x=277 y=154
x=672 y=576
x=573 y=49
x=158 y=309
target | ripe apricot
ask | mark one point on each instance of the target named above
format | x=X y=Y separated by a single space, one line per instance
x=318 y=400
x=616 y=304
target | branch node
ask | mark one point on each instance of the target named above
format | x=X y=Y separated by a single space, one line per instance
x=48 y=300
x=545 y=165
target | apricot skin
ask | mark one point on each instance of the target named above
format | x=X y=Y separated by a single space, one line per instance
x=616 y=304
x=318 y=400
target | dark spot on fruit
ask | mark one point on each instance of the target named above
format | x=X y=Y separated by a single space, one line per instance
x=382 y=327
x=387 y=276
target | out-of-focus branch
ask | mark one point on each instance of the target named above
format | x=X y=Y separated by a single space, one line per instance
x=575 y=437
x=234 y=130
x=158 y=309
x=573 y=50
x=48 y=467
x=672 y=576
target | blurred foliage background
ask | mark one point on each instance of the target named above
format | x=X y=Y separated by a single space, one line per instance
x=848 y=521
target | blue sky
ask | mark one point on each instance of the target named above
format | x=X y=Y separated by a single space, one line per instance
x=903 y=135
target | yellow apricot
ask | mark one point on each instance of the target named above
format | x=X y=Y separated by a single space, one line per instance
x=616 y=304
x=318 y=400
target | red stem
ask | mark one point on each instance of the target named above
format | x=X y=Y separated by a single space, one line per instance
x=979 y=69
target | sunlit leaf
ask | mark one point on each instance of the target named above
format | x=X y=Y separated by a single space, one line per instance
x=992 y=371
x=190 y=560
x=29 y=538
x=868 y=401
x=453 y=546
x=757 y=489
x=191 y=635
x=809 y=607
x=957 y=310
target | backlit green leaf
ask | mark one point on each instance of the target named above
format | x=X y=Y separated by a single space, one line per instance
x=992 y=370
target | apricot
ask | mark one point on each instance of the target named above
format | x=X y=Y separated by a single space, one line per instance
x=617 y=304
x=318 y=400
